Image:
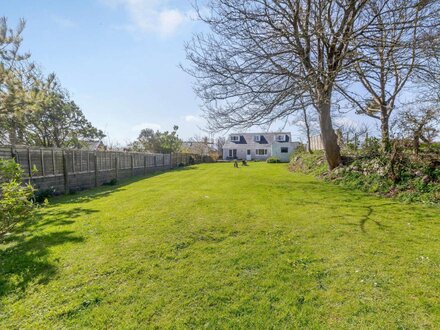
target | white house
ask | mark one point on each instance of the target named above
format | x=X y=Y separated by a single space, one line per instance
x=259 y=146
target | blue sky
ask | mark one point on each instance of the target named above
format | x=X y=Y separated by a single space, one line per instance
x=118 y=58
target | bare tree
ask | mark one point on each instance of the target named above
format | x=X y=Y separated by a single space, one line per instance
x=220 y=142
x=396 y=49
x=201 y=145
x=420 y=124
x=307 y=122
x=263 y=57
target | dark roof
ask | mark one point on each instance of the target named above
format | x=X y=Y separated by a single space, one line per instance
x=248 y=139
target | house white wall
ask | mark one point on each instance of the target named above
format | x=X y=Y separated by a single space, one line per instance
x=283 y=156
x=268 y=141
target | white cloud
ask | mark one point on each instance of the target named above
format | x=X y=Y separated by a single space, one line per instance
x=152 y=16
x=193 y=119
x=141 y=126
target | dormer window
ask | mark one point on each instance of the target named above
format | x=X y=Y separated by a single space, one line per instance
x=257 y=138
x=281 y=138
x=235 y=138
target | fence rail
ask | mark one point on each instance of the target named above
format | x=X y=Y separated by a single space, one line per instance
x=64 y=170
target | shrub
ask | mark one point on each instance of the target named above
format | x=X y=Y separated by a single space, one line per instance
x=411 y=179
x=16 y=197
x=273 y=160
x=112 y=182
x=42 y=196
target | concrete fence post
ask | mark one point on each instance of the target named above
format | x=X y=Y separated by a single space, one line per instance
x=29 y=162
x=145 y=165
x=96 y=170
x=13 y=153
x=54 y=172
x=43 y=170
x=116 y=167
x=65 y=173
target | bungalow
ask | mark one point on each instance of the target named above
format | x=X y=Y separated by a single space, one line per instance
x=259 y=146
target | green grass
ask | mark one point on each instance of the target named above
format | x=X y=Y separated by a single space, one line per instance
x=217 y=247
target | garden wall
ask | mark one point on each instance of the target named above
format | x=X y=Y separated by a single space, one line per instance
x=66 y=170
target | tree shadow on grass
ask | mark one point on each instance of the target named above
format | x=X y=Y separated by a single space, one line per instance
x=106 y=190
x=25 y=253
x=367 y=217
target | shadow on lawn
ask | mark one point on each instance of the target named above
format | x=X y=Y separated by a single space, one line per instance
x=24 y=255
x=367 y=217
x=106 y=190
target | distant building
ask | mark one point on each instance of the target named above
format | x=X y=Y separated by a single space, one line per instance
x=202 y=148
x=95 y=145
x=259 y=146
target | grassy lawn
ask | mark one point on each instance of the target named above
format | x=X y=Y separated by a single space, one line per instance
x=213 y=246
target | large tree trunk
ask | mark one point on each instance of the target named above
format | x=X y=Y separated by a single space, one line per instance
x=385 y=132
x=329 y=137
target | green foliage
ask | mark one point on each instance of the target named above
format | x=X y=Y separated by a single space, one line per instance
x=55 y=120
x=160 y=142
x=15 y=201
x=272 y=160
x=368 y=170
x=112 y=182
x=13 y=72
x=34 y=109
x=218 y=248
x=41 y=196
x=305 y=162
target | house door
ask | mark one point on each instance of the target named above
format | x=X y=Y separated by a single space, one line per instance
x=248 y=155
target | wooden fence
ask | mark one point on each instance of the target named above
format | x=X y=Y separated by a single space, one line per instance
x=316 y=143
x=66 y=170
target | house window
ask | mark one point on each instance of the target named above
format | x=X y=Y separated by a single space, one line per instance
x=281 y=138
x=261 y=152
x=257 y=138
x=235 y=138
x=284 y=150
x=232 y=153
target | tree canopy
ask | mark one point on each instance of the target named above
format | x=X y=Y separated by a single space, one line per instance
x=34 y=109
x=157 y=142
x=263 y=60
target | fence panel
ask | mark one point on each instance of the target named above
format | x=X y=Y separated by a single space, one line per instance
x=64 y=170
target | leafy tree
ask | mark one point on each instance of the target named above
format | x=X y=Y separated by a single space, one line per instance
x=160 y=142
x=15 y=76
x=15 y=199
x=12 y=64
x=55 y=121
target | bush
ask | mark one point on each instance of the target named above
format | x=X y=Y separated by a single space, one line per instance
x=41 y=196
x=112 y=182
x=273 y=160
x=413 y=179
x=16 y=197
